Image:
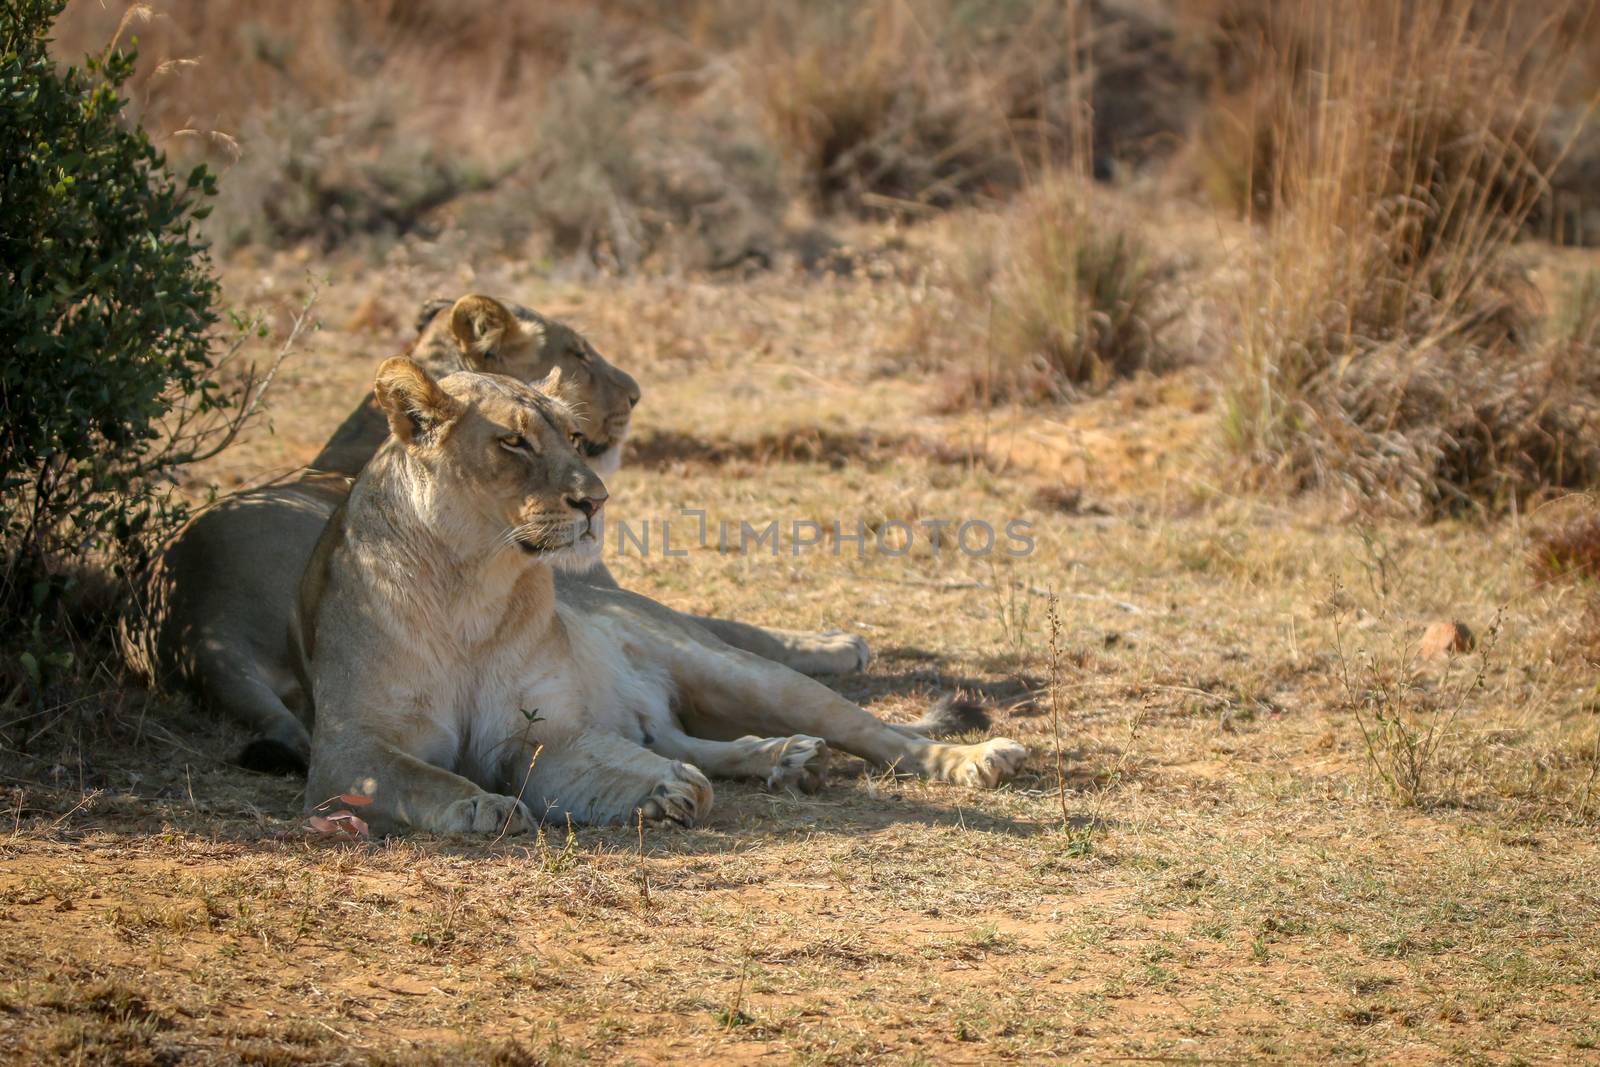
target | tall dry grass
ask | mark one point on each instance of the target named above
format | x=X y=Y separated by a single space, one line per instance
x=348 y=115
x=1387 y=342
x=620 y=129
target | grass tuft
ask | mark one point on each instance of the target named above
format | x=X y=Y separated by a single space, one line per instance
x=1062 y=302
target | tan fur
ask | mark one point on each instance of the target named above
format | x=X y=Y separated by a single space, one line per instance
x=463 y=688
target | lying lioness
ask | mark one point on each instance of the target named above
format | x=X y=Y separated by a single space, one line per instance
x=457 y=690
x=214 y=612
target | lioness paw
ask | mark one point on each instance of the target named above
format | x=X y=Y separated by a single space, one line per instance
x=486 y=813
x=990 y=763
x=853 y=644
x=800 y=764
x=683 y=797
x=838 y=652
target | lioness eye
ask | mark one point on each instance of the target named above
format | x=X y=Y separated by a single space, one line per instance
x=515 y=443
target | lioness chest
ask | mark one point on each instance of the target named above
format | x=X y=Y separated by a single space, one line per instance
x=486 y=709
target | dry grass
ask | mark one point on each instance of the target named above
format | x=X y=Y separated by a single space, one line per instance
x=1569 y=546
x=351 y=120
x=1387 y=344
x=1233 y=881
x=328 y=120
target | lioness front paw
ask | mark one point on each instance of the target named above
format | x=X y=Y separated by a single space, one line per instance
x=800 y=764
x=683 y=797
x=988 y=764
x=486 y=813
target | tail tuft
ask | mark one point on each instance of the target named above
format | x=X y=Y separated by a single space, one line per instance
x=953 y=714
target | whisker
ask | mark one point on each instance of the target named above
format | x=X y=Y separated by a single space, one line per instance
x=535 y=528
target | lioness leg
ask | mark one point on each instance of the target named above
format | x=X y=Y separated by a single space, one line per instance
x=599 y=778
x=235 y=682
x=826 y=652
x=727 y=692
x=781 y=762
x=406 y=791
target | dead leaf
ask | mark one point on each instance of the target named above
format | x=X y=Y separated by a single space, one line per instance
x=338 y=822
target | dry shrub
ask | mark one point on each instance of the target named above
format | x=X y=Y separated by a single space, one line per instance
x=1062 y=299
x=1569 y=549
x=327 y=119
x=619 y=179
x=868 y=107
x=1386 y=342
x=910 y=105
x=327 y=175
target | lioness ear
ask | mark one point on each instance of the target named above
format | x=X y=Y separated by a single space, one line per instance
x=415 y=405
x=552 y=385
x=429 y=310
x=481 y=325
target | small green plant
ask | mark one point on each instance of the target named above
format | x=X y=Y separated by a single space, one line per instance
x=1404 y=724
x=1012 y=597
x=1078 y=846
x=733 y=1014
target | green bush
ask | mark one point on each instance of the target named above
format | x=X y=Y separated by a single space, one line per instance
x=107 y=309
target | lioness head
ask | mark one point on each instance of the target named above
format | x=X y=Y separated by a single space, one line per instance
x=483 y=334
x=498 y=459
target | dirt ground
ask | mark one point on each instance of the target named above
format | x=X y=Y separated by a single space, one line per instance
x=1228 y=879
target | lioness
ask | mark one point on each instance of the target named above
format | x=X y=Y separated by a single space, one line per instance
x=214 y=611
x=457 y=690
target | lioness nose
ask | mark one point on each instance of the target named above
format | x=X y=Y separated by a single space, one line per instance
x=587 y=504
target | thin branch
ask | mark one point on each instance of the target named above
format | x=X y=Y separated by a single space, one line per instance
x=237 y=423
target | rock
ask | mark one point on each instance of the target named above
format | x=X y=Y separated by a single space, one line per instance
x=1446 y=638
